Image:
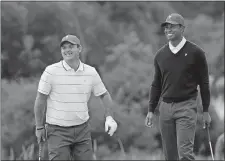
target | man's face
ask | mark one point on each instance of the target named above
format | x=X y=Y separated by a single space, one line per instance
x=70 y=51
x=173 y=32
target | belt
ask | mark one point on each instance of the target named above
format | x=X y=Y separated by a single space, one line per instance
x=67 y=126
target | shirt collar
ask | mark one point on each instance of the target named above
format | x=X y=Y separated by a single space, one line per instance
x=178 y=47
x=67 y=67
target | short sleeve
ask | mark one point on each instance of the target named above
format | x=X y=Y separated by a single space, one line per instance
x=98 y=88
x=44 y=85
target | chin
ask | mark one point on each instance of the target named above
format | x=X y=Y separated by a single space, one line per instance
x=171 y=38
x=66 y=58
x=71 y=58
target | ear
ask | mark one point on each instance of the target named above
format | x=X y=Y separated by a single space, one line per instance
x=80 y=48
x=183 y=27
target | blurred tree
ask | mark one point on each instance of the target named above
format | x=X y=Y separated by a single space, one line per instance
x=198 y=7
x=127 y=73
x=98 y=27
x=13 y=20
x=119 y=39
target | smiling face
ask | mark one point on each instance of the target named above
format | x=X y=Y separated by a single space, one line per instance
x=173 y=32
x=70 y=51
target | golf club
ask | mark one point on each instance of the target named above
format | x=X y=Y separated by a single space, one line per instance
x=40 y=150
x=210 y=144
x=119 y=141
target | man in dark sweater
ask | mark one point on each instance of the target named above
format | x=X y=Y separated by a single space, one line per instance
x=180 y=66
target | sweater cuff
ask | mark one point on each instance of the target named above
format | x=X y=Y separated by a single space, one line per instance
x=205 y=108
x=151 y=108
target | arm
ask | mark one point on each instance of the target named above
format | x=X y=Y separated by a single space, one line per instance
x=155 y=90
x=203 y=79
x=107 y=103
x=40 y=109
x=110 y=123
x=100 y=90
x=40 y=105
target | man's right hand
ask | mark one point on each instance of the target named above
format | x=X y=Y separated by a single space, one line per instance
x=40 y=134
x=149 y=119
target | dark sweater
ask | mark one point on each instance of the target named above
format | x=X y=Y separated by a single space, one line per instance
x=177 y=76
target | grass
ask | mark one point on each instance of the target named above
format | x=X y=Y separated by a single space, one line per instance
x=133 y=154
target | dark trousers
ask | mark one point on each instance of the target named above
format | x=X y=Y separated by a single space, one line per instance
x=69 y=143
x=177 y=122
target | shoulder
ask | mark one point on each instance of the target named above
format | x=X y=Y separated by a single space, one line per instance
x=196 y=48
x=89 y=69
x=197 y=51
x=51 y=69
x=161 y=51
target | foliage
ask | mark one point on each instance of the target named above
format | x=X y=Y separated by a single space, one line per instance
x=120 y=39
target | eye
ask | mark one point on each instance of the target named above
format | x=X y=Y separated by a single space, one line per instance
x=72 y=46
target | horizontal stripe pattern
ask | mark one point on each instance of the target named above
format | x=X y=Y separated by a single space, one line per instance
x=69 y=92
x=75 y=80
x=66 y=118
x=67 y=107
x=73 y=88
x=69 y=98
x=63 y=115
x=55 y=121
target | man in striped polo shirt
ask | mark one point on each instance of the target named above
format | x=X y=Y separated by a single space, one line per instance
x=180 y=66
x=65 y=88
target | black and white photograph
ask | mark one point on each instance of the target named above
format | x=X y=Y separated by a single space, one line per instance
x=112 y=80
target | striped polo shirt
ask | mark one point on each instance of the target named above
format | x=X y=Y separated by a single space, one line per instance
x=68 y=92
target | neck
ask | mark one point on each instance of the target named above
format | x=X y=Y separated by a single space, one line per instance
x=73 y=63
x=176 y=42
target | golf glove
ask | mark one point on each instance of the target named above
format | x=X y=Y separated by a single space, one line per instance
x=110 y=125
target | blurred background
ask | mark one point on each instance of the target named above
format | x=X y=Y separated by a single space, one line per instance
x=120 y=40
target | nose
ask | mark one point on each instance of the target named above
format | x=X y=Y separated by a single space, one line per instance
x=66 y=49
x=167 y=29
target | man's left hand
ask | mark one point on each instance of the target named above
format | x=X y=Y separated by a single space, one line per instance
x=110 y=125
x=206 y=119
